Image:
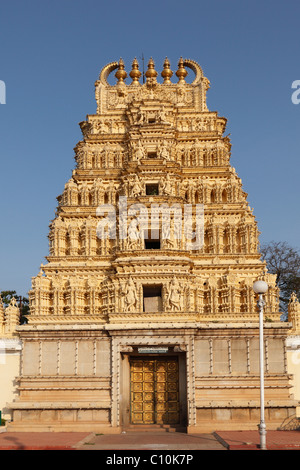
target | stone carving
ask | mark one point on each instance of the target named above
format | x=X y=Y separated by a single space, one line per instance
x=163 y=151
x=141 y=118
x=130 y=296
x=168 y=241
x=161 y=116
x=174 y=295
x=11 y=317
x=133 y=240
x=294 y=313
x=166 y=185
x=137 y=187
x=139 y=152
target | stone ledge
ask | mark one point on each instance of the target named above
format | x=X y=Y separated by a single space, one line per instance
x=58 y=405
x=246 y=404
x=76 y=426
x=146 y=325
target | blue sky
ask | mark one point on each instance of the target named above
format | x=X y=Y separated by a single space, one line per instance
x=51 y=55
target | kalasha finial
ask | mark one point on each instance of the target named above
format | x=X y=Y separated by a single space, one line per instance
x=181 y=72
x=121 y=73
x=135 y=74
x=151 y=73
x=167 y=72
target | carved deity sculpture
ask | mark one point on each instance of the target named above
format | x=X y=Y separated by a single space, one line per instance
x=174 y=295
x=166 y=185
x=137 y=187
x=130 y=296
x=139 y=152
x=134 y=238
x=161 y=116
x=163 y=151
x=168 y=242
x=141 y=118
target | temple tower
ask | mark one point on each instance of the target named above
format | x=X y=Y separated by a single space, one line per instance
x=145 y=312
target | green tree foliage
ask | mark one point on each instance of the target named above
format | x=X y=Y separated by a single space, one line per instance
x=284 y=261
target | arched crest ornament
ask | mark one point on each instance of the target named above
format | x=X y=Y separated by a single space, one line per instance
x=120 y=95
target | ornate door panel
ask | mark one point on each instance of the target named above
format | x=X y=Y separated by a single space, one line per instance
x=154 y=391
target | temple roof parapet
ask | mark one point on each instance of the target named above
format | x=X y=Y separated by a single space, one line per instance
x=182 y=93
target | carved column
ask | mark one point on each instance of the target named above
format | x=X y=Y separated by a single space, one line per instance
x=84 y=194
x=73 y=233
x=58 y=238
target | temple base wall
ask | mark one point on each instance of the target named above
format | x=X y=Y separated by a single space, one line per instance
x=82 y=378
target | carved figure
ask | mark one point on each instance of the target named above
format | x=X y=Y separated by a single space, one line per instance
x=166 y=236
x=161 y=116
x=130 y=299
x=133 y=238
x=163 y=151
x=137 y=187
x=166 y=185
x=141 y=118
x=140 y=152
x=174 y=295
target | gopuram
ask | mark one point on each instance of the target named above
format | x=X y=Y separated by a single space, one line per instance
x=145 y=314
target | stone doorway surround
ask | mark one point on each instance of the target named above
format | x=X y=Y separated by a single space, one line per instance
x=166 y=342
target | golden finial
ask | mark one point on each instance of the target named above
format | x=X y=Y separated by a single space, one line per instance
x=151 y=73
x=121 y=73
x=135 y=74
x=167 y=72
x=181 y=72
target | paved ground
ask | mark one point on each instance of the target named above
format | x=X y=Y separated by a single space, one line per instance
x=153 y=441
x=148 y=441
x=40 y=440
x=276 y=440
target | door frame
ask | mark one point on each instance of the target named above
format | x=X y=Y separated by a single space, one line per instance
x=125 y=389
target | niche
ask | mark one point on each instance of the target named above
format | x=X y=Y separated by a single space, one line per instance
x=152 y=189
x=151 y=155
x=152 y=239
x=152 y=298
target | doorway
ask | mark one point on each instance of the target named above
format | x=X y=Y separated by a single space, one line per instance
x=154 y=390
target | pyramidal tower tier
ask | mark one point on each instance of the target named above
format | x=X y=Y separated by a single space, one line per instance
x=144 y=313
x=154 y=223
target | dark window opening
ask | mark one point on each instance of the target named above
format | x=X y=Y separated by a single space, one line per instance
x=152 y=244
x=152 y=298
x=152 y=189
x=152 y=155
x=152 y=240
x=152 y=121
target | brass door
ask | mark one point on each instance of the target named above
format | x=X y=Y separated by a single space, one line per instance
x=154 y=391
